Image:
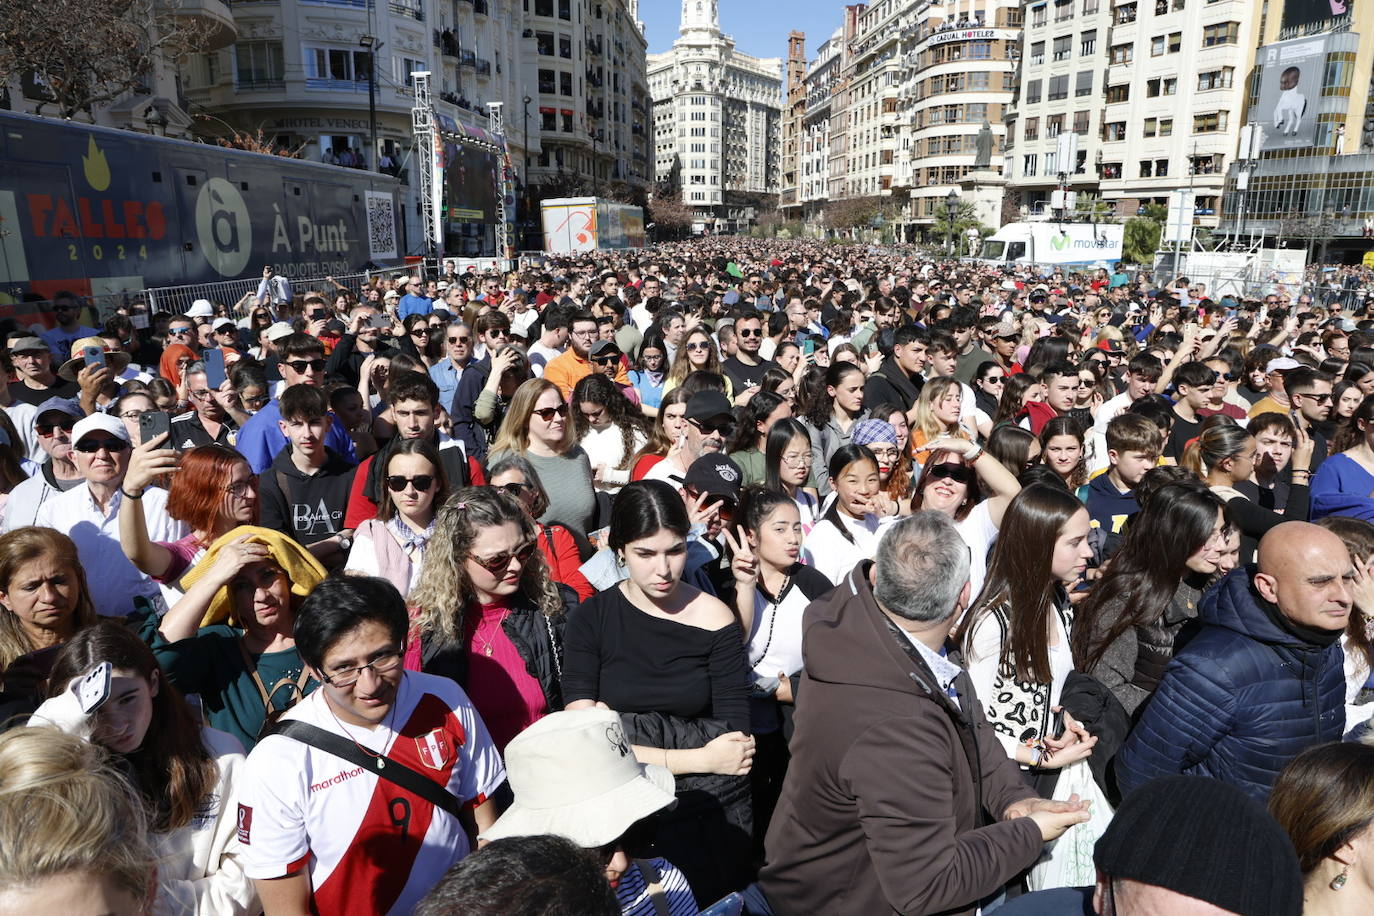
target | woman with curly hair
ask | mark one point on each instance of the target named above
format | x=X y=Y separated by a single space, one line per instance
x=487 y=613
x=609 y=428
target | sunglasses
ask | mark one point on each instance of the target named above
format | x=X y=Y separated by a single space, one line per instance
x=514 y=489
x=724 y=505
x=420 y=331
x=396 y=483
x=1319 y=398
x=955 y=472
x=700 y=345
x=747 y=333
x=501 y=561
x=300 y=365
x=91 y=446
x=709 y=427
x=459 y=340
x=548 y=413
x=46 y=429
x=178 y=331
x=606 y=360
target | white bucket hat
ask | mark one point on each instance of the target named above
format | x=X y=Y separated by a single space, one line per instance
x=575 y=775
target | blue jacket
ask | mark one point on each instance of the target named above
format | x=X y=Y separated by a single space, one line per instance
x=1239 y=701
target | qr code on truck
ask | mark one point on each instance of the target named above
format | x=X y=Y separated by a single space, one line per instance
x=381 y=225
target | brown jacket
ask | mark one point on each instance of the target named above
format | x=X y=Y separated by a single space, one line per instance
x=880 y=812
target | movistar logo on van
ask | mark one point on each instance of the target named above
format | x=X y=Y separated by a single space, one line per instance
x=1059 y=242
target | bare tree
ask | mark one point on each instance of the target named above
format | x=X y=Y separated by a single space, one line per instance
x=851 y=212
x=91 y=52
x=670 y=214
x=258 y=143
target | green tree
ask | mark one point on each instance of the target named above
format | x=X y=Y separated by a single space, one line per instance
x=1091 y=208
x=965 y=218
x=1140 y=239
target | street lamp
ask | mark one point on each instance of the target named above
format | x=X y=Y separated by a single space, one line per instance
x=951 y=210
x=526 y=135
x=370 y=43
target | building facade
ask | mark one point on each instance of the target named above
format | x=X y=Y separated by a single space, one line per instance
x=822 y=79
x=793 y=114
x=717 y=121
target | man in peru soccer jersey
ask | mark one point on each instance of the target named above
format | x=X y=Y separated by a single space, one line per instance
x=325 y=836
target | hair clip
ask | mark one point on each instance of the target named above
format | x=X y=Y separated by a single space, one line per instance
x=460 y=505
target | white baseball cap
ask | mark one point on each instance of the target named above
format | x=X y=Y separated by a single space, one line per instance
x=201 y=308
x=278 y=330
x=99 y=422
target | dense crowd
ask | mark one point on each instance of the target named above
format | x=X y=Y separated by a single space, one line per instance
x=723 y=576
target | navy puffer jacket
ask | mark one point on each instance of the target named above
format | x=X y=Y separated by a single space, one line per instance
x=1239 y=701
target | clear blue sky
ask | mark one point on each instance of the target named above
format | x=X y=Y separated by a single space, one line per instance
x=759 y=27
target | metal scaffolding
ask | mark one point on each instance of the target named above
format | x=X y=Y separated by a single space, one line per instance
x=496 y=124
x=426 y=153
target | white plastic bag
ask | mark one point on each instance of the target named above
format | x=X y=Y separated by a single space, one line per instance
x=1068 y=861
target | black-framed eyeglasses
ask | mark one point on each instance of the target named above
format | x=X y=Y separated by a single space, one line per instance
x=91 y=446
x=382 y=664
x=300 y=365
x=502 y=561
x=243 y=487
x=548 y=413
x=396 y=483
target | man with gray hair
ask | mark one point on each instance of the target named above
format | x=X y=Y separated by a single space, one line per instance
x=898 y=798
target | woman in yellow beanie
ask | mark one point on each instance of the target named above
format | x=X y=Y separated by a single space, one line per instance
x=229 y=638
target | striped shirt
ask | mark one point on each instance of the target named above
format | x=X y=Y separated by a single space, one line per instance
x=633 y=892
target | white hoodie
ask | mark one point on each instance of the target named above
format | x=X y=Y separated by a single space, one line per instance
x=200 y=869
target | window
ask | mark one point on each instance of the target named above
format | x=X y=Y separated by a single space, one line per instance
x=565 y=10
x=543 y=7
x=1063 y=10
x=565 y=84
x=1083 y=83
x=1037 y=52
x=1150 y=127
x=1031 y=131
x=548 y=120
x=567 y=122
x=1123 y=54
x=1166 y=127
x=1089 y=7
x=1058 y=88
x=1209 y=123
x=1039 y=15
x=1063 y=47
x=1081 y=122
x=258 y=64
x=1169 y=86
x=1120 y=93
x=1221 y=33
x=1161 y=168
x=547 y=83
x=1111 y=170
x=1032 y=92
x=543 y=43
x=1125 y=14
x=1028 y=164
x=1114 y=130
x=1175 y=42
x=1087 y=43
x=336 y=64
x=1215 y=79
x=565 y=47
x=1147 y=168
x=1054 y=126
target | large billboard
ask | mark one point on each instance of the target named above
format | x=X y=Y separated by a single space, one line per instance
x=1290 y=90
x=469 y=183
x=1306 y=12
x=100 y=211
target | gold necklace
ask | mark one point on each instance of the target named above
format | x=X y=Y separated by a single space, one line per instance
x=380 y=759
x=487 y=643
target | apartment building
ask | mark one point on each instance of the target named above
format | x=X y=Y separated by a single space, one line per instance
x=959 y=62
x=1064 y=58
x=794 y=112
x=874 y=115
x=1312 y=180
x=822 y=78
x=1170 y=114
x=717 y=120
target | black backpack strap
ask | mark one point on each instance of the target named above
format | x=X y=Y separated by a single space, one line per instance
x=385 y=767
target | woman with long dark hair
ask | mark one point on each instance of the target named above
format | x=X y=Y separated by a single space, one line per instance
x=609 y=428
x=393 y=544
x=1225 y=456
x=667 y=438
x=670 y=659
x=850 y=529
x=1016 y=636
x=787 y=461
x=1064 y=452
x=487 y=614
x=1017 y=391
x=1126 y=627
x=989 y=380
x=831 y=413
x=750 y=441
x=650 y=372
x=184 y=772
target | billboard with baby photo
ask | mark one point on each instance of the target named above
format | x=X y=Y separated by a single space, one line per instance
x=1290 y=92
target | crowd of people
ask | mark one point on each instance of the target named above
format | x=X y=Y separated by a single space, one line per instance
x=721 y=576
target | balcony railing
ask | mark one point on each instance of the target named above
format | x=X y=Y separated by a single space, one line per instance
x=406 y=9
x=467 y=57
x=483 y=67
x=263 y=84
x=333 y=85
